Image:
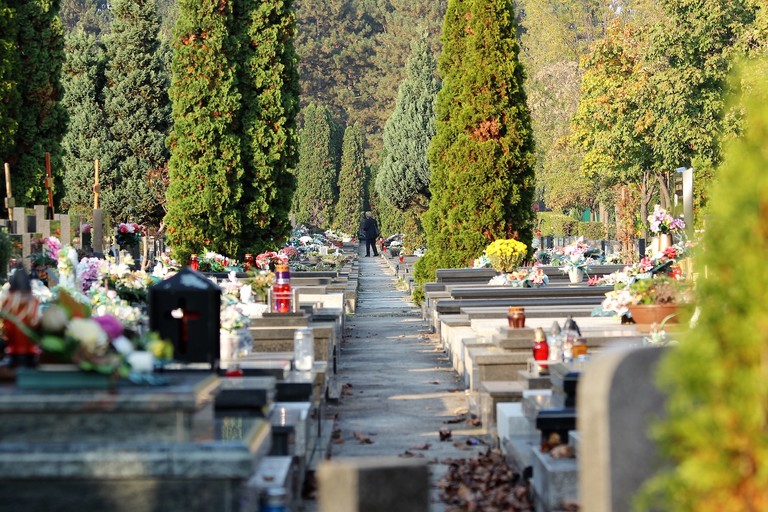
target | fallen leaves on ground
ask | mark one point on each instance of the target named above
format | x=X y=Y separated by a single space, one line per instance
x=484 y=483
x=407 y=454
x=445 y=434
x=346 y=389
x=362 y=438
x=425 y=446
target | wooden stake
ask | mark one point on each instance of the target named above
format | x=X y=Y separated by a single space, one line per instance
x=96 y=187
x=49 y=185
x=9 y=202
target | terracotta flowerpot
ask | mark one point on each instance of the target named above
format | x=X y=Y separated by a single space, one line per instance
x=654 y=313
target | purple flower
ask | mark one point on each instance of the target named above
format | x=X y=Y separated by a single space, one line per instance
x=110 y=325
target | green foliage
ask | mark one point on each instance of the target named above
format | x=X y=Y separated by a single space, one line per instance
x=554 y=35
x=353 y=54
x=137 y=112
x=318 y=169
x=403 y=178
x=206 y=153
x=351 y=177
x=714 y=433
x=9 y=91
x=555 y=224
x=592 y=230
x=91 y=16
x=268 y=84
x=87 y=135
x=482 y=181
x=41 y=117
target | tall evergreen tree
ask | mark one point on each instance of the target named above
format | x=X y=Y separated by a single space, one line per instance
x=205 y=167
x=403 y=178
x=87 y=134
x=351 y=182
x=42 y=118
x=9 y=92
x=269 y=85
x=482 y=181
x=137 y=111
x=317 y=172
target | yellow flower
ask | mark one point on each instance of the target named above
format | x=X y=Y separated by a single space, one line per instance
x=506 y=255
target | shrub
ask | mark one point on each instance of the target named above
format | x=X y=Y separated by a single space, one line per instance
x=555 y=224
x=592 y=230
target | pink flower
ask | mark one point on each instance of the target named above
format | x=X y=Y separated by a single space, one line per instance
x=110 y=325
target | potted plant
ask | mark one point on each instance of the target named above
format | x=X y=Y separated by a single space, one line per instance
x=648 y=298
x=506 y=255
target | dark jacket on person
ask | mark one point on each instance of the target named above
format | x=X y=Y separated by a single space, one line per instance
x=370 y=228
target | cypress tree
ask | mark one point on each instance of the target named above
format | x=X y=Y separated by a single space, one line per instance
x=351 y=182
x=268 y=82
x=87 y=135
x=137 y=111
x=41 y=117
x=9 y=93
x=205 y=167
x=482 y=180
x=317 y=172
x=403 y=178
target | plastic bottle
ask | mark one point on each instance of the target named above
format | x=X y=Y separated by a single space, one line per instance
x=281 y=290
x=555 y=342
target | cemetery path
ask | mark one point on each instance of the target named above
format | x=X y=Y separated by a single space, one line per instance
x=398 y=387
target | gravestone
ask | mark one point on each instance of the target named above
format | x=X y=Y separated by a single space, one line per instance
x=373 y=484
x=618 y=400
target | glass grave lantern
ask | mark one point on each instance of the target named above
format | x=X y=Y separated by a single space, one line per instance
x=186 y=309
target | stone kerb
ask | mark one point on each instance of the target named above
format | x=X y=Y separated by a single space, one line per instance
x=618 y=400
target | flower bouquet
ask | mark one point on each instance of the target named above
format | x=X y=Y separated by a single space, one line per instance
x=270 y=259
x=527 y=277
x=214 y=262
x=506 y=255
x=128 y=234
x=45 y=257
x=661 y=222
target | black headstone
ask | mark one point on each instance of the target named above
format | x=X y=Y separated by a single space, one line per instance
x=185 y=309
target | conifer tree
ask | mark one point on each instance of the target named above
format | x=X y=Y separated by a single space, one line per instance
x=87 y=135
x=137 y=111
x=205 y=167
x=403 y=178
x=317 y=172
x=41 y=117
x=269 y=85
x=714 y=432
x=351 y=182
x=482 y=180
x=9 y=93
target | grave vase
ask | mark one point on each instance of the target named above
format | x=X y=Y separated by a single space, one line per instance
x=661 y=242
x=576 y=275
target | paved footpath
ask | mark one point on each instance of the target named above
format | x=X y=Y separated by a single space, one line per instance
x=399 y=389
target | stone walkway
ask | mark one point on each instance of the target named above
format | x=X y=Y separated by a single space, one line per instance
x=399 y=389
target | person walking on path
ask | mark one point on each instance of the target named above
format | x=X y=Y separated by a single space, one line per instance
x=371 y=231
x=399 y=394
